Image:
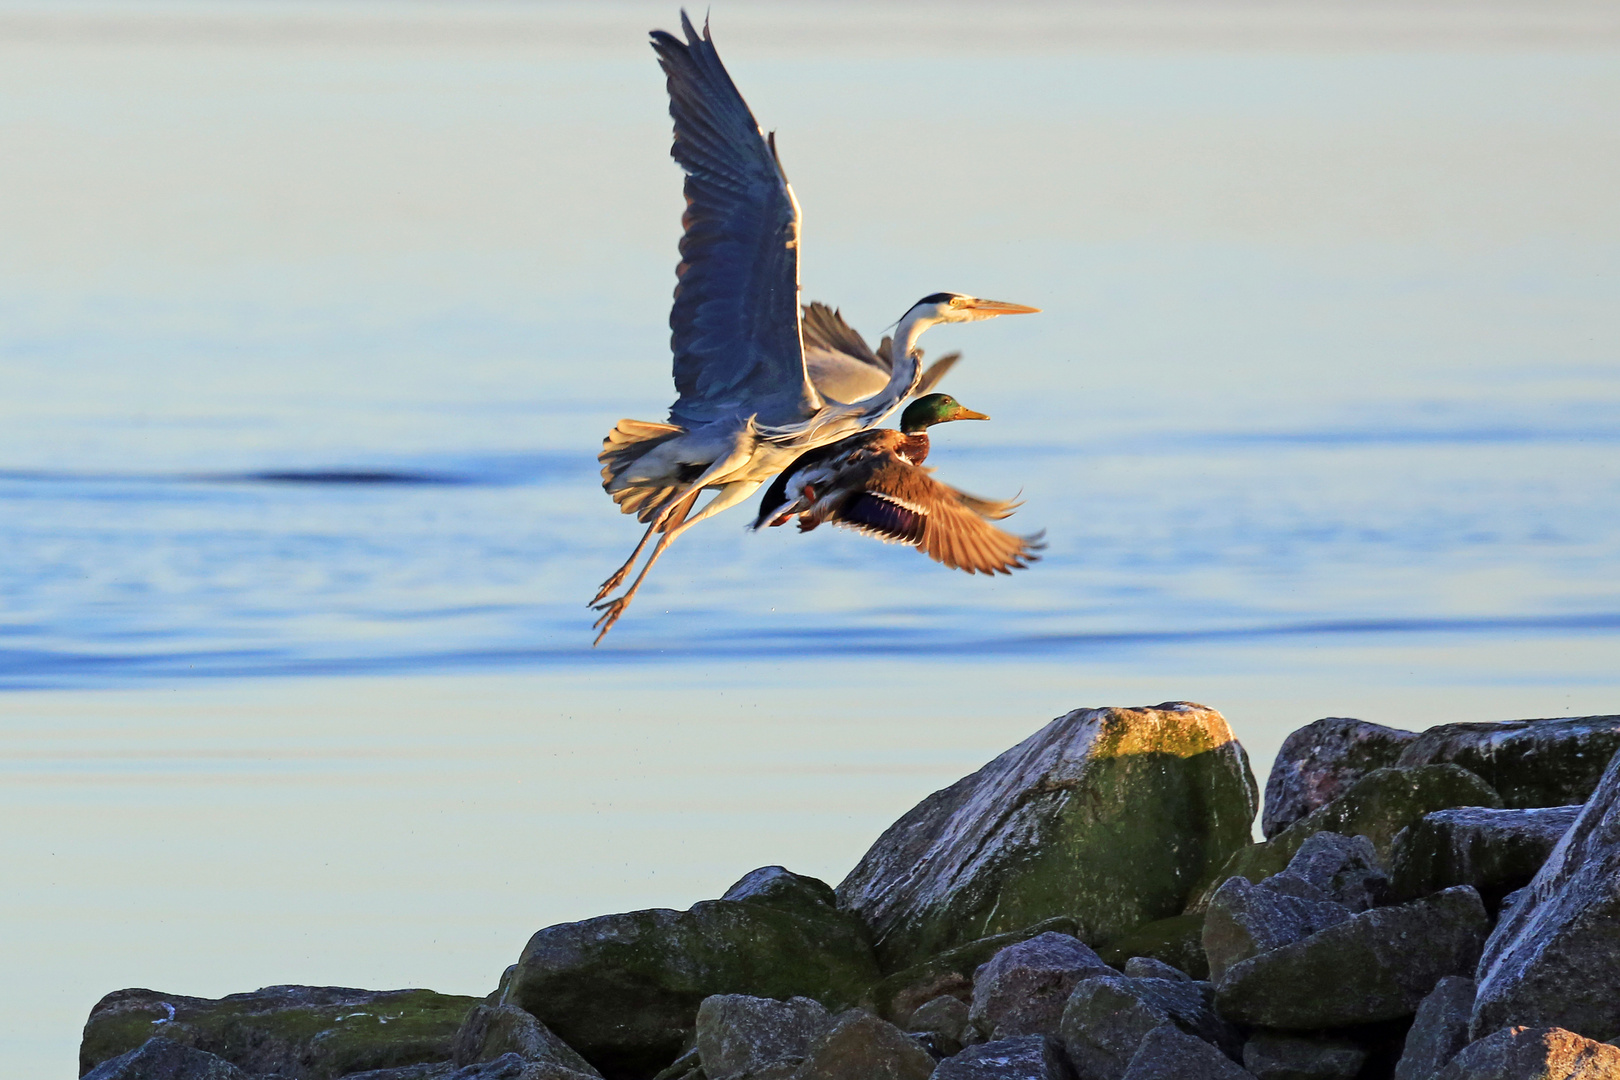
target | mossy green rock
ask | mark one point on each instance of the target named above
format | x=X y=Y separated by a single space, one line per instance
x=1177 y=941
x=1552 y=762
x=951 y=972
x=1378 y=806
x=1110 y=817
x=624 y=990
x=300 y=1032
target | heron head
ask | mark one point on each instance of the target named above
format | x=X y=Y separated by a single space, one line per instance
x=931 y=409
x=954 y=307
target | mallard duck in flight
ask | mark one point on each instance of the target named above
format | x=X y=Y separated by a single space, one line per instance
x=875 y=482
x=747 y=404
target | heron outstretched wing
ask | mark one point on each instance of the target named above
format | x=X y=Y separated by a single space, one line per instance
x=735 y=323
x=843 y=367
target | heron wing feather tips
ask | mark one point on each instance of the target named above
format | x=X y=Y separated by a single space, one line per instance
x=735 y=321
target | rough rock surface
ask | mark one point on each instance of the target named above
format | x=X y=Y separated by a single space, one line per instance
x=1027 y=1057
x=1554 y=762
x=858 y=1044
x=1145 y=967
x=1319 y=762
x=1495 y=851
x=950 y=972
x=1109 y=816
x=1168 y=1053
x=1246 y=920
x=492 y=1031
x=1108 y=1016
x=1378 y=806
x=1023 y=988
x=1439 y=1031
x=738 y=1035
x=300 y=1032
x=624 y=990
x=777 y=886
x=165 y=1059
x=1177 y=941
x=1343 y=869
x=1526 y=1053
x=1554 y=958
x=1378 y=965
x=945 y=1020
x=1278 y=1055
x=506 y=1067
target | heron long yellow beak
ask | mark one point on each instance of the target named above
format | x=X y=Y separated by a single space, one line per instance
x=999 y=307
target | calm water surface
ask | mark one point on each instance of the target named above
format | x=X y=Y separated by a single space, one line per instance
x=312 y=318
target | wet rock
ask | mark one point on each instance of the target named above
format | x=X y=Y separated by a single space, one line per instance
x=738 y=1035
x=1554 y=762
x=1278 y=1055
x=1145 y=967
x=776 y=886
x=1022 y=989
x=859 y=1046
x=300 y=1032
x=1378 y=806
x=165 y=1059
x=1439 y=1031
x=950 y=972
x=1495 y=851
x=1246 y=920
x=1027 y=1057
x=1177 y=941
x=624 y=990
x=1526 y=1053
x=945 y=1020
x=1108 y=816
x=1108 y=1016
x=1554 y=958
x=1319 y=762
x=1377 y=965
x=492 y=1031
x=1343 y=869
x=1167 y=1053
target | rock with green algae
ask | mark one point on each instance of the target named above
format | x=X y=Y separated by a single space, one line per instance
x=859 y=1046
x=624 y=990
x=951 y=972
x=165 y=1059
x=1552 y=762
x=300 y=1032
x=1177 y=941
x=1378 y=806
x=491 y=1031
x=1318 y=763
x=1495 y=851
x=1108 y=816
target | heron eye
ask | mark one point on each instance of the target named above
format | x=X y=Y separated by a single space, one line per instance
x=956 y=301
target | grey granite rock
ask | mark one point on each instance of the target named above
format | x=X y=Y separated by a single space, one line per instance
x=1495 y=851
x=1168 y=1053
x=738 y=1035
x=516 y=1067
x=1027 y=1057
x=427 y=1070
x=1554 y=959
x=1177 y=941
x=1280 y=1055
x=1343 y=869
x=1108 y=816
x=165 y=1059
x=1378 y=965
x=951 y=972
x=1553 y=762
x=1319 y=762
x=777 y=886
x=1439 y=1030
x=1023 y=988
x=1146 y=967
x=1534 y=1053
x=1245 y=920
x=945 y=1018
x=1108 y=1016
x=859 y=1046
x=492 y=1031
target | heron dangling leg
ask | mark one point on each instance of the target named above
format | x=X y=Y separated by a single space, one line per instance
x=672 y=516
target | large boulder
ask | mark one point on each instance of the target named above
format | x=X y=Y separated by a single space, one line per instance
x=493 y=1031
x=777 y=886
x=300 y=1032
x=1495 y=851
x=165 y=1059
x=859 y=1046
x=1439 y=1030
x=1377 y=965
x=624 y=990
x=1554 y=762
x=1108 y=1017
x=1534 y=1053
x=1378 y=806
x=1319 y=762
x=1027 y=1057
x=1554 y=958
x=738 y=1035
x=1108 y=816
x=1023 y=988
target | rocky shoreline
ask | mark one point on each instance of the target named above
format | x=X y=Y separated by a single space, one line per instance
x=1087 y=906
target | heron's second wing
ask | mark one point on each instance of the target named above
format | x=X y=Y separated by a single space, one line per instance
x=903 y=502
x=840 y=364
x=735 y=323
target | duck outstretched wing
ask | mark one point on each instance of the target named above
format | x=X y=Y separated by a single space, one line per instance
x=901 y=502
x=735 y=322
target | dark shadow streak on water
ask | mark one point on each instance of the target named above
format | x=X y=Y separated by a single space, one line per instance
x=26 y=669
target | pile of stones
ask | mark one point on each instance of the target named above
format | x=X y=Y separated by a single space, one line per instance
x=1087 y=906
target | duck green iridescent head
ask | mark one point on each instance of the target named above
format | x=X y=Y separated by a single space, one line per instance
x=933 y=409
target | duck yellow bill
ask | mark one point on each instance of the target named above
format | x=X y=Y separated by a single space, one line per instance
x=969 y=414
x=1000 y=307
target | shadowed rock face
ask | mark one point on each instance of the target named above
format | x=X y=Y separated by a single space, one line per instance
x=1319 y=762
x=1027 y=1057
x=1275 y=1055
x=1554 y=957
x=1439 y=1030
x=1108 y=816
x=1554 y=762
x=1108 y=1018
x=165 y=1059
x=1023 y=988
x=1495 y=851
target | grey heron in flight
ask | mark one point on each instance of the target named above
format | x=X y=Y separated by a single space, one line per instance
x=747 y=405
